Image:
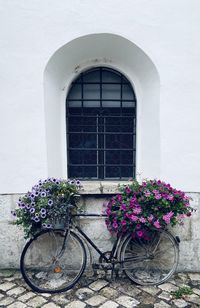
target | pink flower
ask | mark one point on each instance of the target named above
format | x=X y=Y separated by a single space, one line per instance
x=142 y=220
x=170 y=197
x=108 y=211
x=137 y=210
x=123 y=207
x=138 y=226
x=168 y=217
x=133 y=218
x=115 y=225
x=119 y=198
x=140 y=233
x=128 y=190
x=147 y=193
x=123 y=222
x=157 y=224
x=158 y=196
x=150 y=218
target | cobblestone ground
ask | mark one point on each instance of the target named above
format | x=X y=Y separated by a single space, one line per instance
x=99 y=292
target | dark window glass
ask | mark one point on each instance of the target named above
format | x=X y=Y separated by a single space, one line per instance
x=101 y=126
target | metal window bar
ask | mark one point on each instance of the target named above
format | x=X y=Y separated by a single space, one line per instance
x=102 y=123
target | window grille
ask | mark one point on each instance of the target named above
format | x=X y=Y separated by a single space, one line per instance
x=101 y=126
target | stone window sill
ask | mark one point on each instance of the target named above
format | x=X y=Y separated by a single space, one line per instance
x=100 y=187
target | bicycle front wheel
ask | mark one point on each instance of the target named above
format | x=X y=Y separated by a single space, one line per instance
x=51 y=263
x=152 y=261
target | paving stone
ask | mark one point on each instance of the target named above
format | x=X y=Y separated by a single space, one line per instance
x=7 y=301
x=7 y=286
x=109 y=304
x=50 y=305
x=109 y=292
x=9 y=279
x=183 y=276
x=165 y=295
x=196 y=291
x=162 y=304
x=193 y=298
x=7 y=273
x=60 y=299
x=36 y=301
x=17 y=305
x=84 y=293
x=46 y=294
x=151 y=290
x=168 y=287
x=96 y=300
x=1 y=296
x=127 y=301
x=16 y=291
x=98 y=285
x=26 y=296
x=146 y=299
x=76 y=304
x=129 y=289
x=194 y=276
x=180 y=303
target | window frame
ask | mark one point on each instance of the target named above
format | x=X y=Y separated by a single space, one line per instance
x=121 y=100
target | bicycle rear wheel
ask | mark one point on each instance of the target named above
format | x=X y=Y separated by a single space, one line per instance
x=152 y=261
x=50 y=266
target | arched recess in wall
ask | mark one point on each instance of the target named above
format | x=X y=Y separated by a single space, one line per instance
x=116 y=52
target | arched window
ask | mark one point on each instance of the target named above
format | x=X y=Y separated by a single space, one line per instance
x=101 y=126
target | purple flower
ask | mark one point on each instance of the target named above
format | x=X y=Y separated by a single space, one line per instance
x=49 y=226
x=43 y=211
x=43 y=215
x=28 y=206
x=36 y=219
x=43 y=194
x=44 y=225
x=13 y=213
x=32 y=210
x=78 y=183
x=50 y=202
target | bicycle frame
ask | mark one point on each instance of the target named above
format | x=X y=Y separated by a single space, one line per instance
x=115 y=246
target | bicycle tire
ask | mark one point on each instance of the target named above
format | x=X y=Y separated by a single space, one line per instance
x=152 y=261
x=47 y=268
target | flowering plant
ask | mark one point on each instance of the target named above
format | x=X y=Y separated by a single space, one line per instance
x=46 y=204
x=141 y=207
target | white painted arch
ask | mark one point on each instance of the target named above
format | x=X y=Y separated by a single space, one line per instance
x=123 y=55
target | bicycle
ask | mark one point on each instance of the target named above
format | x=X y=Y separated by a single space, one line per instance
x=54 y=260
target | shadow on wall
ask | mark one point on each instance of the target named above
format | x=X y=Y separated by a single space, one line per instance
x=106 y=50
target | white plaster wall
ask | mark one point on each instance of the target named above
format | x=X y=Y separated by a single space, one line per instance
x=32 y=31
